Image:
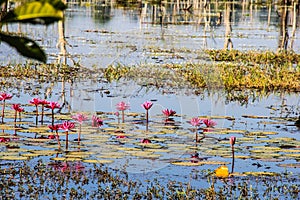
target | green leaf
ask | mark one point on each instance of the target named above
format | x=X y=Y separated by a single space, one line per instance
x=37 y=12
x=25 y=46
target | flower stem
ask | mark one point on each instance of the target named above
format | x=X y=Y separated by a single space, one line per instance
x=16 y=112
x=123 y=117
x=3 y=107
x=147 y=120
x=42 y=117
x=232 y=164
x=57 y=138
x=79 y=133
x=52 y=117
x=67 y=138
x=36 y=115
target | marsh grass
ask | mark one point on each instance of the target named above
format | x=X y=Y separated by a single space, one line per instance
x=71 y=180
x=230 y=70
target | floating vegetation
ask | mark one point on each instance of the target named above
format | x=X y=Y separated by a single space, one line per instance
x=254 y=73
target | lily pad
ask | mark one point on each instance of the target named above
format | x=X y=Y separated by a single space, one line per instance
x=99 y=161
x=262 y=173
x=13 y=158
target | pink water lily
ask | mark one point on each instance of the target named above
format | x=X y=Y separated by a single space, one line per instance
x=3 y=97
x=18 y=109
x=122 y=106
x=167 y=113
x=209 y=122
x=55 y=128
x=121 y=136
x=147 y=105
x=80 y=118
x=67 y=126
x=196 y=121
x=2 y=139
x=36 y=102
x=53 y=105
x=43 y=103
x=96 y=121
x=145 y=141
x=232 y=140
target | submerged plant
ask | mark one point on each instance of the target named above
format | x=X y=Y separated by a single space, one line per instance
x=122 y=106
x=3 y=97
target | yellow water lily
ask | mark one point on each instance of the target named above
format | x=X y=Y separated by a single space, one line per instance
x=222 y=172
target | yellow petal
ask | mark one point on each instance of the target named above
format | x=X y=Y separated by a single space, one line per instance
x=222 y=172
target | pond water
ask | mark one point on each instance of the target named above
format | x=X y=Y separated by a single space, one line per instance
x=101 y=35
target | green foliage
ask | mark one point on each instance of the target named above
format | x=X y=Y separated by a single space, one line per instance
x=25 y=46
x=43 y=12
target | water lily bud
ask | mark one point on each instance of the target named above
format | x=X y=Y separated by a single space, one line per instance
x=232 y=140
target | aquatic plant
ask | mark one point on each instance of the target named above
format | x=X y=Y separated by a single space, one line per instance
x=232 y=140
x=96 y=121
x=117 y=114
x=18 y=109
x=44 y=103
x=80 y=118
x=145 y=141
x=122 y=106
x=67 y=126
x=222 y=172
x=52 y=105
x=168 y=113
x=55 y=128
x=196 y=121
x=209 y=122
x=195 y=157
x=147 y=105
x=3 y=97
x=36 y=102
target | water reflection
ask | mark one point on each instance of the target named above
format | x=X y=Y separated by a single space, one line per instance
x=118 y=26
